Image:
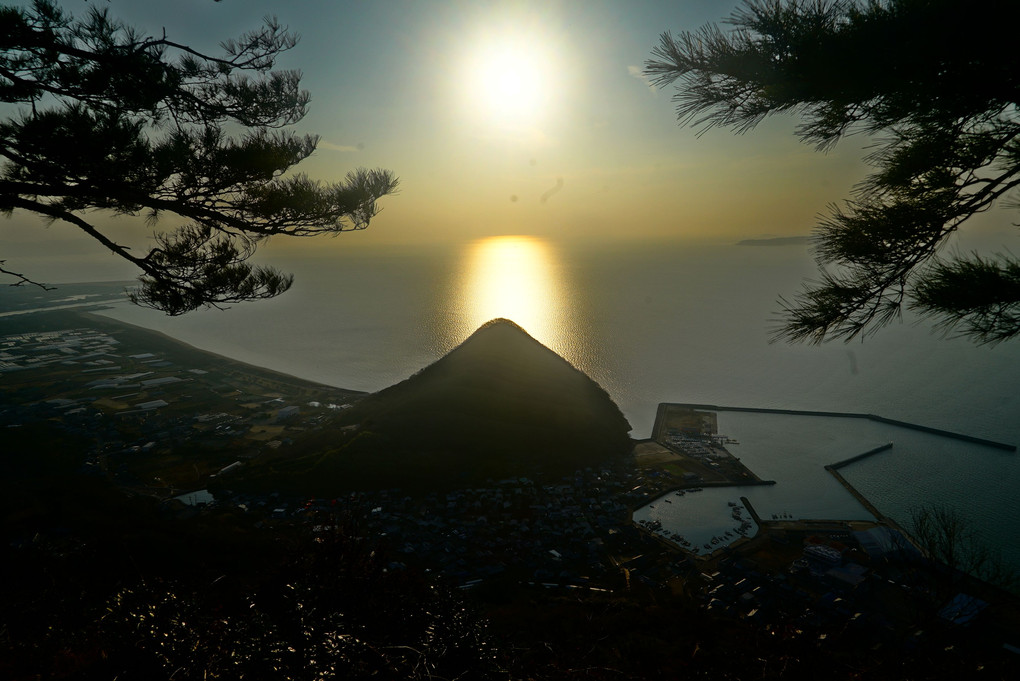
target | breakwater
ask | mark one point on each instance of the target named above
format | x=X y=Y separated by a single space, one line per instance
x=863 y=500
x=733 y=483
x=750 y=509
x=833 y=469
x=859 y=457
x=854 y=415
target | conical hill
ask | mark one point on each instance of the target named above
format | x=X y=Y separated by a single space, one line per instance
x=500 y=404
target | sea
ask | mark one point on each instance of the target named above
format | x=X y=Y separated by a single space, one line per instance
x=662 y=322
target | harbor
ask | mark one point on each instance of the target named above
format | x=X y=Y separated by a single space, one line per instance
x=698 y=520
x=803 y=470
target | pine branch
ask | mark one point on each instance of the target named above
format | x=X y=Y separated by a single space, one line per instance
x=23 y=279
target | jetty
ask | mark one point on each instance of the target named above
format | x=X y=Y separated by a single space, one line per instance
x=859 y=457
x=840 y=414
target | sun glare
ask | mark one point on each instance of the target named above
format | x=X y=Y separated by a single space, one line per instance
x=510 y=84
x=508 y=81
x=514 y=277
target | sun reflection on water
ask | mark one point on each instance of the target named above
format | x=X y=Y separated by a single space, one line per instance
x=517 y=278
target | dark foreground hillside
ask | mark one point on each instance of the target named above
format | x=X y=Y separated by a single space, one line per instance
x=109 y=576
x=499 y=405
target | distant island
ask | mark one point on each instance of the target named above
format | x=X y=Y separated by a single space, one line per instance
x=776 y=241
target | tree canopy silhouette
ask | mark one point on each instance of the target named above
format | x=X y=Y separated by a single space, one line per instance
x=107 y=118
x=937 y=83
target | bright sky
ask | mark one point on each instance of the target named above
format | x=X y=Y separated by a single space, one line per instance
x=512 y=118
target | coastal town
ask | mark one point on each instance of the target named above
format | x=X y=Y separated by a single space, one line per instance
x=171 y=422
x=138 y=402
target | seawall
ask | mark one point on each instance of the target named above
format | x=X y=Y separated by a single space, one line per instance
x=853 y=459
x=871 y=417
x=857 y=495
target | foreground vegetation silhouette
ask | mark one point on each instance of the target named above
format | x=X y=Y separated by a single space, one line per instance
x=103 y=118
x=936 y=87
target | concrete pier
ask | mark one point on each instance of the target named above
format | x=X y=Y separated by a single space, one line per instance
x=859 y=457
x=871 y=417
x=857 y=495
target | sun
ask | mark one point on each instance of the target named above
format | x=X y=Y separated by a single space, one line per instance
x=508 y=81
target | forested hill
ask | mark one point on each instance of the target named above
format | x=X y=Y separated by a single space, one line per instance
x=499 y=405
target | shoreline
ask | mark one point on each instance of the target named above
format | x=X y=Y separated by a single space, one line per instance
x=279 y=376
x=93 y=316
x=96 y=318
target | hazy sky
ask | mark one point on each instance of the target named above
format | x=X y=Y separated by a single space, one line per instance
x=507 y=118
